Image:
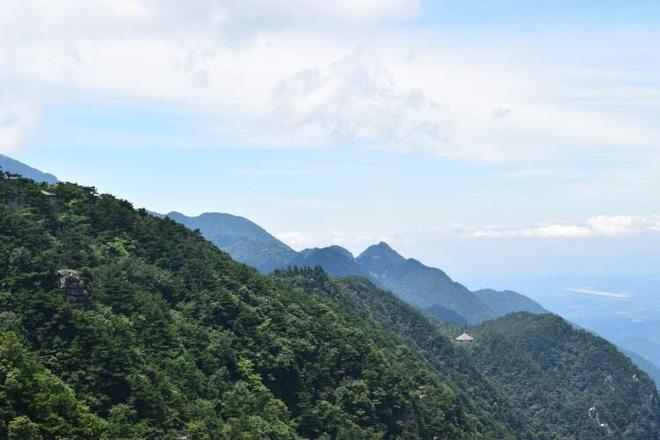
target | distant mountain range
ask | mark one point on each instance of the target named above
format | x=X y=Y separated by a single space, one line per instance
x=501 y=302
x=422 y=286
x=13 y=166
x=428 y=288
x=115 y=324
x=244 y=240
x=335 y=260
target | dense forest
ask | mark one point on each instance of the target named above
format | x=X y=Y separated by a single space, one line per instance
x=425 y=287
x=116 y=324
x=547 y=360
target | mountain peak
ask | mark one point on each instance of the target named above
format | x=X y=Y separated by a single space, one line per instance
x=343 y=251
x=332 y=249
x=380 y=251
x=335 y=260
x=383 y=245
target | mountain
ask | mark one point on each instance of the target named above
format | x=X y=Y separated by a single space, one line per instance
x=425 y=287
x=118 y=324
x=244 y=240
x=364 y=302
x=567 y=382
x=334 y=260
x=13 y=166
x=420 y=285
x=446 y=315
x=507 y=301
x=631 y=323
x=645 y=365
x=557 y=375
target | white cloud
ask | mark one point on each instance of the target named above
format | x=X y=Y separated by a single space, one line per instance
x=287 y=73
x=301 y=170
x=545 y=231
x=600 y=226
x=103 y=19
x=294 y=239
x=601 y=293
x=357 y=240
x=356 y=101
x=18 y=117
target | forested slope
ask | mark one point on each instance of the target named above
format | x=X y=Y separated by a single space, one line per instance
x=117 y=324
x=567 y=382
x=136 y=327
x=367 y=305
x=244 y=240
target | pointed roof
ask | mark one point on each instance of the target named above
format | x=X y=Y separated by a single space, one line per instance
x=464 y=337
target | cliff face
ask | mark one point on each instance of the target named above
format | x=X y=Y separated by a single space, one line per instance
x=73 y=287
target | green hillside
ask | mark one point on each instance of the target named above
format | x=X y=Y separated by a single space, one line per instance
x=152 y=332
x=334 y=260
x=116 y=324
x=244 y=240
x=428 y=288
x=569 y=383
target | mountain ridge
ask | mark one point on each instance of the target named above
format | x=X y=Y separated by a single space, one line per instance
x=243 y=239
x=420 y=285
x=118 y=324
x=334 y=259
x=416 y=283
x=14 y=166
x=288 y=256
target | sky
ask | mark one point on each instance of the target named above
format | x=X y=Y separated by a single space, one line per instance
x=497 y=139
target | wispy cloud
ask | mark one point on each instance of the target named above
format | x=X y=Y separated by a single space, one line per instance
x=599 y=226
x=601 y=293
x=18 y=118
x=301 y=170
x=355 y=101
x=305 y=74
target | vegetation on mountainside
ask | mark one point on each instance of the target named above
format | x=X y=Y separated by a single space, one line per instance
x=420 y=285
x=567 y=382
x=117 y=324
x=334 y=260
x=165 y=335
x=368 y=305
x=244 y=240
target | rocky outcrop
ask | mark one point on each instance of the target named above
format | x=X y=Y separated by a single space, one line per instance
x=73 y=287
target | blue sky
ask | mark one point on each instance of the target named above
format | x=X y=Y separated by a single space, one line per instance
x=490 y=138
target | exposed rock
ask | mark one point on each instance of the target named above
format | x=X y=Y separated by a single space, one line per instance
x=74 y=288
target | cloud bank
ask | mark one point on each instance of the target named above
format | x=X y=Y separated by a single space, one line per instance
x=309 y=74
x=601 y=293
x=355 y=101
x=599 y=226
